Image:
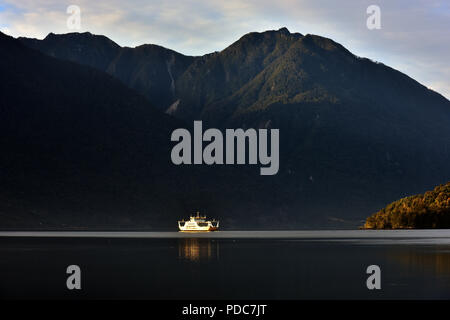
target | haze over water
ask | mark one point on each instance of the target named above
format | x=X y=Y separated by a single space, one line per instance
x=227 y=264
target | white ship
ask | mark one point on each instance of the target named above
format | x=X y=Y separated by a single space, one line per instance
x=198 y=224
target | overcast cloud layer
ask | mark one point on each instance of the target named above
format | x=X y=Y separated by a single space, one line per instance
x=414 y=35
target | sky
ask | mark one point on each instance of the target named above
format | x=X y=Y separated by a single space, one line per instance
x=414 y=35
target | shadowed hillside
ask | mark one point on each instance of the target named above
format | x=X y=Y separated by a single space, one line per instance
x=150 y=69
x=78 y=147
x=354 y=134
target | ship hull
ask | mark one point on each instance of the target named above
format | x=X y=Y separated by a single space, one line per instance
x=210 y=229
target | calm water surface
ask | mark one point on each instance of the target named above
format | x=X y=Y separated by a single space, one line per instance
x=415 y=264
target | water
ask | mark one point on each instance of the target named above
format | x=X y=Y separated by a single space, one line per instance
x=415 y=264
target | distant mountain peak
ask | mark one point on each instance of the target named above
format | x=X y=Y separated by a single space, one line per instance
x=69 y=34
x=79 y=36
x=268 y=37
x=284 y=30
x=156 y=47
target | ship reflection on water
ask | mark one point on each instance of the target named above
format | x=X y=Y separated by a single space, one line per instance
x=197 y=250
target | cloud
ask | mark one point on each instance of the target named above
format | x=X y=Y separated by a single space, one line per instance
x=413 y=37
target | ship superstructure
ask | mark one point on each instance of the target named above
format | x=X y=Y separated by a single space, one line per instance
x=197 y=224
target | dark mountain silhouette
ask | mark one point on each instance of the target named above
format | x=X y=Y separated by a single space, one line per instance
x=85 y=48
x=355 y=134
x=78 y=147
x=150 y=69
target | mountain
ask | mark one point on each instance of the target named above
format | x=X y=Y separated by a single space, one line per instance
x=354 y=134
x=149 y=69
x=219 y=76
x=430 y=210
x=263 y=70
x=79 y=149
x=84 y=48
